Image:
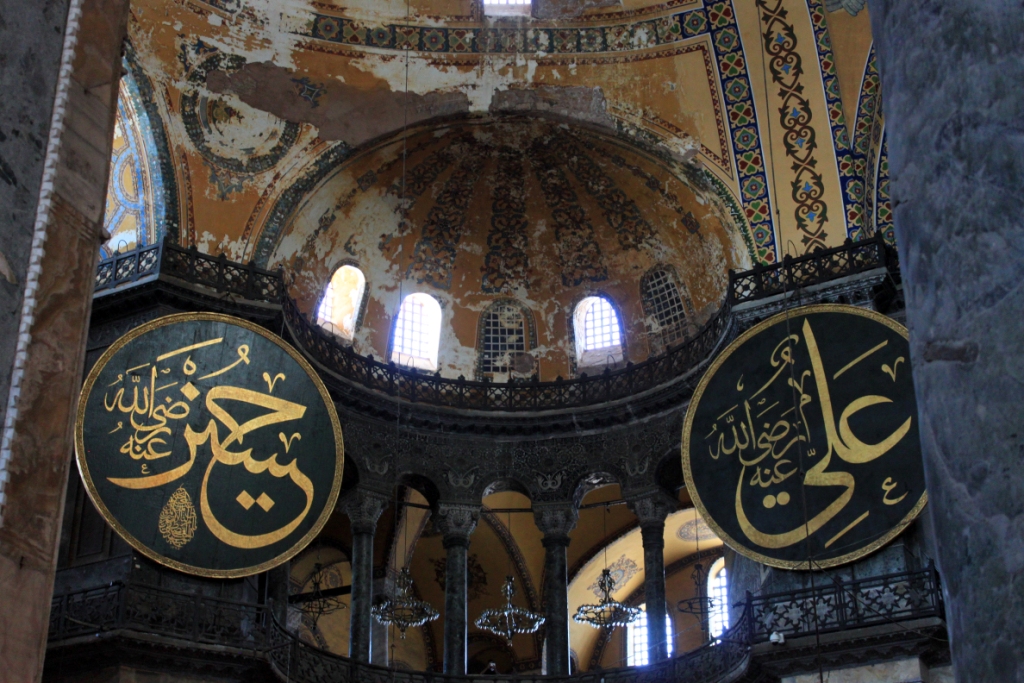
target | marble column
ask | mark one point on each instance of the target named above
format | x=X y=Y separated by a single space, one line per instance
x=651 y=508
x=363 y=509
x=951 y=72
x=456 y=522
x=555 y=521
x=62 y=64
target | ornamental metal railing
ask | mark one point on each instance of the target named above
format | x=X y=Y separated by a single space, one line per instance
x=841 y=605
x=148 y=609
x=125 y=608
x=585 y=390
x=803 y=271
x=680 y=362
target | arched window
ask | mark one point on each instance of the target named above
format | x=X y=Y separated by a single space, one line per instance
x=504 y=339
x=339 y=308
x=663 y=304
x=417 y=332
x=718 y=591
x=638 y=639
x=598 y=332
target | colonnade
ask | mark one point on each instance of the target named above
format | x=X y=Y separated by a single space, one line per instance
x=456 y=522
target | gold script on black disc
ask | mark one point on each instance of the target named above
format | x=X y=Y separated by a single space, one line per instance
x=209 y=444
x=800 y=446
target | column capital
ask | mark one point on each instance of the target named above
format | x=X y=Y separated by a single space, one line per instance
x=363 y=508
x=456 y=521
x=652 y=507
x=555 y=520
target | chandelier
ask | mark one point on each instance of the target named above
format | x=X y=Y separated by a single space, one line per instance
x=403 y=609
x=509 y=620
x=608 y=612
x=319 y=600
x=701 y=604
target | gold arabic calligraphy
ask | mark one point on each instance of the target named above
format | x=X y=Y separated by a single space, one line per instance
x=769 y=455
x=153 y=423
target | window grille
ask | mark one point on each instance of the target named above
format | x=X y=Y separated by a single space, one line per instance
x=662 y=300
x=506 y=6
x=600 y=325
x=638 y=639
x=504 y=336
x=343 y=297
x=417 y=332
x=718 y=591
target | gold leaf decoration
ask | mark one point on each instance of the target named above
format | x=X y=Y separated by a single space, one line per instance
x=177 y=522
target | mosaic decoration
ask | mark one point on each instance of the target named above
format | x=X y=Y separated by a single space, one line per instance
x=883 y=206
x=852 y=190
x=716 y=18
x=578 y=251
x=442 y=230
x=868 y=106
x=622 y=570
x=621 y=212
x=507 y=263
x=219 y=126
x=786 y=68
x=129 y=211
x=695 y=530
x=141 y=204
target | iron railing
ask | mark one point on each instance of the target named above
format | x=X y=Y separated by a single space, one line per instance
x=128 y=607
x=256 y=284
x=585 y=390
x=838 y=606
x=147 y=609
x=832 y=607
x=803 y=271
x=192 y=266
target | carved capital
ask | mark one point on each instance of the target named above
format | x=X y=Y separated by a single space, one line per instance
x=456 y=522
x=555 y=520
x=652 y=508
x=363 y=509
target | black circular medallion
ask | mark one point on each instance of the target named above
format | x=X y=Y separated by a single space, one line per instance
x=209 y=444
x=800 y=446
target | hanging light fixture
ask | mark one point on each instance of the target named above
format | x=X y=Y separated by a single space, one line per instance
x=403 y=609
x=509 y=620
x=701 y=604
x=608 y=612
x=320 y=600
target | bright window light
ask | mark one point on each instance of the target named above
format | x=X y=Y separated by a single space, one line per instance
x=417 y=332
x=718 y=591
x=638 y=640
x=339 y=307
x=494 y=7
x=598 y=332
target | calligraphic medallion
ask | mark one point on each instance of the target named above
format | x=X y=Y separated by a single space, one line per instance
x=825 y=390
x=209 y=444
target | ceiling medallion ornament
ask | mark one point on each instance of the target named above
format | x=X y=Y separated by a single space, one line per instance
x=322 y=598
x=608 y=613
x=403 y=609
x=509 y=620
x=824 y=390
